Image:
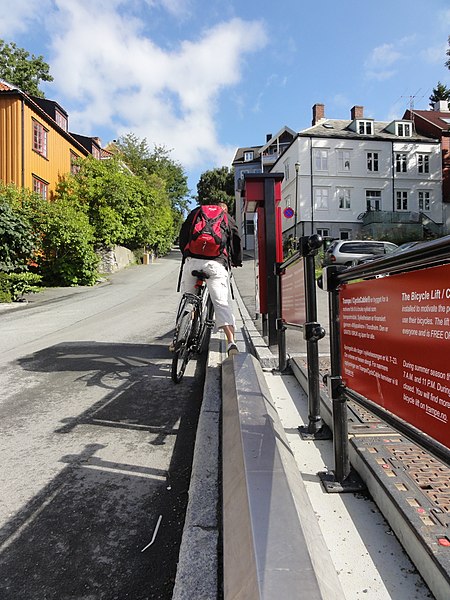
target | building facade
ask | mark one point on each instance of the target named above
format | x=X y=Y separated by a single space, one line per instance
x=36 y=148
x=361 y=178
x=256 y=159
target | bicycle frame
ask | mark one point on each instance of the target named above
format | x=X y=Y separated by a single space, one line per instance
x=194 y=318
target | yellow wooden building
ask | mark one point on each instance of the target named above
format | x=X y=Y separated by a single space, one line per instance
x=36 y=148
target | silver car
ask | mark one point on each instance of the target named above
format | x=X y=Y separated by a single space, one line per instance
x=346 y=252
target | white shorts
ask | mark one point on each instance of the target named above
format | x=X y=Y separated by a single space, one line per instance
x=218 y=287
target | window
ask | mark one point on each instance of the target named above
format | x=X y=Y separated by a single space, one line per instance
x=373 y=200
x=40 y=187
x=321 y=198
x=286 y=170
x=345 y=234
x=344 y=198
x=321 y=159
x=424 y=201
x=323 y=232
x=365 y=127
x=39 y=138
x=403 y=129
x=74 y=166
x=61 y=120
x=372 y=162
x=344 y=160
x=248 y=155
x=288 y=202
x=400 y=162
x=401 y=200
x=250 y=227
x=423 y=163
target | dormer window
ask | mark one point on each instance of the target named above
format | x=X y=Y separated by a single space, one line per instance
x=364 y=127
x=61 y=120
x=403 y=129
x=248 y=155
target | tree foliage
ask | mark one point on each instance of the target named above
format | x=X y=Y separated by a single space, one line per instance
x=440 y=92
x=20 y=68
x=447 y=63
x=18 y=239
x=217 y=185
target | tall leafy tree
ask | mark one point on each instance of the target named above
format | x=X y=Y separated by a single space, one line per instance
x=218 y=185
x=440 y=92
x=447 y=63
x=20 y=68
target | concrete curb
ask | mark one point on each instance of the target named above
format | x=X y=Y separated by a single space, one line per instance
x=197 y=572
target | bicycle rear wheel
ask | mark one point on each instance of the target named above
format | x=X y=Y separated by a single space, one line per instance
x=182 y=352
x=208 y=323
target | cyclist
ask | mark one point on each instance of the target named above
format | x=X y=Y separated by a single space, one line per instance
x=218 y=269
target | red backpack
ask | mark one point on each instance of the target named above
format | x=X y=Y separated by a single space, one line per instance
x=208 y=235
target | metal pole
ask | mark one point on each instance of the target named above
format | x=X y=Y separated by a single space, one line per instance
x=271 y=256
x=336 y=388
x=312 y=332
x=297 y=169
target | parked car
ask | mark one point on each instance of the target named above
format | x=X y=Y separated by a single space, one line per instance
x=346 y=252
x=398 y=250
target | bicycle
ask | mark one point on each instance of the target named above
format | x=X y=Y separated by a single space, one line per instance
x=195 y=319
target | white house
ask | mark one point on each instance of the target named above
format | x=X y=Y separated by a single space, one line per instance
x=362 y=178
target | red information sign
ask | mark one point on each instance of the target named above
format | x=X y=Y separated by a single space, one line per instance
x=293 y=305
x=395 y=341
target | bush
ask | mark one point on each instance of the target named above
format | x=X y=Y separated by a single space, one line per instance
x=68 y=256
x=15 y=285
x=18 y=240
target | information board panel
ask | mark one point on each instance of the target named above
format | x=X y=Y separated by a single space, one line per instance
x=293 y=304
x=395 y=342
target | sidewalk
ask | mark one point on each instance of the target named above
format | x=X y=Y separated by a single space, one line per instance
x=368 y=558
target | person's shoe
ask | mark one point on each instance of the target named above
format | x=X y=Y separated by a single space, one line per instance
x=232 y=349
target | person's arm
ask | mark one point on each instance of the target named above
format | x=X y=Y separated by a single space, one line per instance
x=185 y=230
x=235 y=244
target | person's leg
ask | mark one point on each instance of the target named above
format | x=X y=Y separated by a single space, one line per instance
x=219 y=289
x=187 y=284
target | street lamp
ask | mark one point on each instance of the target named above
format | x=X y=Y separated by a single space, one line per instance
x=297 y=170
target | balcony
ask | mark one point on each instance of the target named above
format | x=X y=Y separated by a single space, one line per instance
x=399 y=227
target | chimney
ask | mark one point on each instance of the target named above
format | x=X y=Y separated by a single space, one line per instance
x=441 y=106
x=268 y=137
x=318 y=113
x=357 y=112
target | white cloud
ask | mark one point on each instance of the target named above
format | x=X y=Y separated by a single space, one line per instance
x=383 y=56
x=16 y=16
x=111 y=75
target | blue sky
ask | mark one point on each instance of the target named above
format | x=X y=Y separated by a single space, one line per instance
x=203 y=78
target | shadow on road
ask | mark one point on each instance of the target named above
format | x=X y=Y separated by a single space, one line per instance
x=82 y=535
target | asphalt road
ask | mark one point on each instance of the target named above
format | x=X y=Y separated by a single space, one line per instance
x=96 y=440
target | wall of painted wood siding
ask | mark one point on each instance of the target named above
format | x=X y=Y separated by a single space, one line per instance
x=57 y=162
x=10 y=141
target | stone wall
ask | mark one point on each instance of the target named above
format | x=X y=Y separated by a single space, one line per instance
x=115 y=258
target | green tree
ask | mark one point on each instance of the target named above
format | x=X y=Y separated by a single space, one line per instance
x=144 y=163
x=440 y=92
x=217 y=185
x=21 y=69
x=447 y=63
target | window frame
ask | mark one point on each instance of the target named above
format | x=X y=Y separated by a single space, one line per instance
x=324 y=193
x=40 y=186
x=423 y=162
x=401 y=162
x=403 y=129
x=320 y=157
x=401 y=200
x=375 y=196
x=344 y=160
x=424 y=200
x=346 y=198
x=39 y=138
x=364 y=127
x=372 y=161
x=249 y=155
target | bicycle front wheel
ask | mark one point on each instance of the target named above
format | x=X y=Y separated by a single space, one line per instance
x=182 y=351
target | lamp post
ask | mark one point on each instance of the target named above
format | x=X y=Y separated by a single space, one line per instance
x=297 y=170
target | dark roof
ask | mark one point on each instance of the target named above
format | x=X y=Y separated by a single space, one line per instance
x=438 y=118
x=335 y=128
x=239 y=156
